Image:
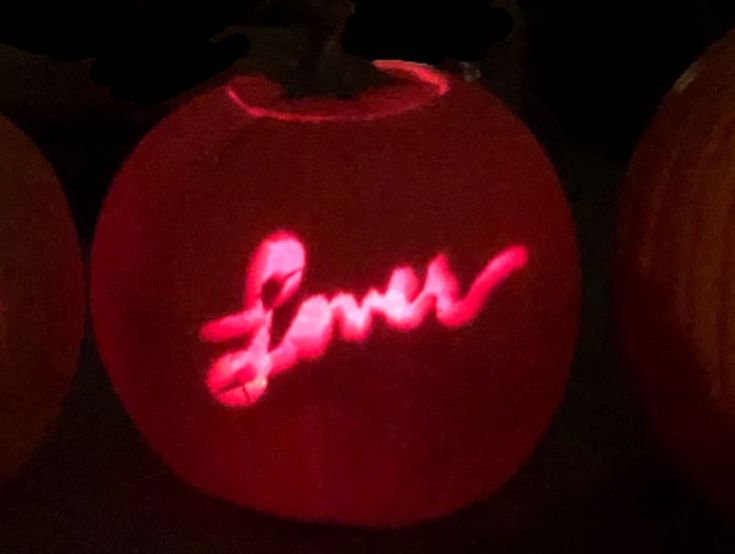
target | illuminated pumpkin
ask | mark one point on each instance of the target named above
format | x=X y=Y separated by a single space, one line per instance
x=358 y=311
x=41 y=297
x=675 y=273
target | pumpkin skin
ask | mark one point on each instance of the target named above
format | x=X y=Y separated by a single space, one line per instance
x=390 y=430
x=675 y=284
x=41 y=297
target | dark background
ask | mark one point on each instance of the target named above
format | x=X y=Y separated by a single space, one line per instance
x=586 y=77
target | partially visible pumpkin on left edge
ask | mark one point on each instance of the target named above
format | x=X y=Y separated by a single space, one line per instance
x=41 y=297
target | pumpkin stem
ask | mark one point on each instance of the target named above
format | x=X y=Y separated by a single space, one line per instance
x=326 y=69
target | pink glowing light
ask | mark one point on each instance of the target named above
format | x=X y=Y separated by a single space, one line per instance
x=239 y=378
x=268 y=102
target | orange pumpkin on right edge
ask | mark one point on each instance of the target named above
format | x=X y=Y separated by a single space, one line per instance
x=675 y=272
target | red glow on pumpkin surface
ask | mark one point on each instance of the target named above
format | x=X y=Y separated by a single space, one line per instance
x=401 y=404
x=240 y=378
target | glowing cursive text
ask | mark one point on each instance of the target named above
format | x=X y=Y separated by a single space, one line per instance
x=239 y=378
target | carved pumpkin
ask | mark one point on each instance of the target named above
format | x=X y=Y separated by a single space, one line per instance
x=675 y=280
x=41 y=297
x=358 y=311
